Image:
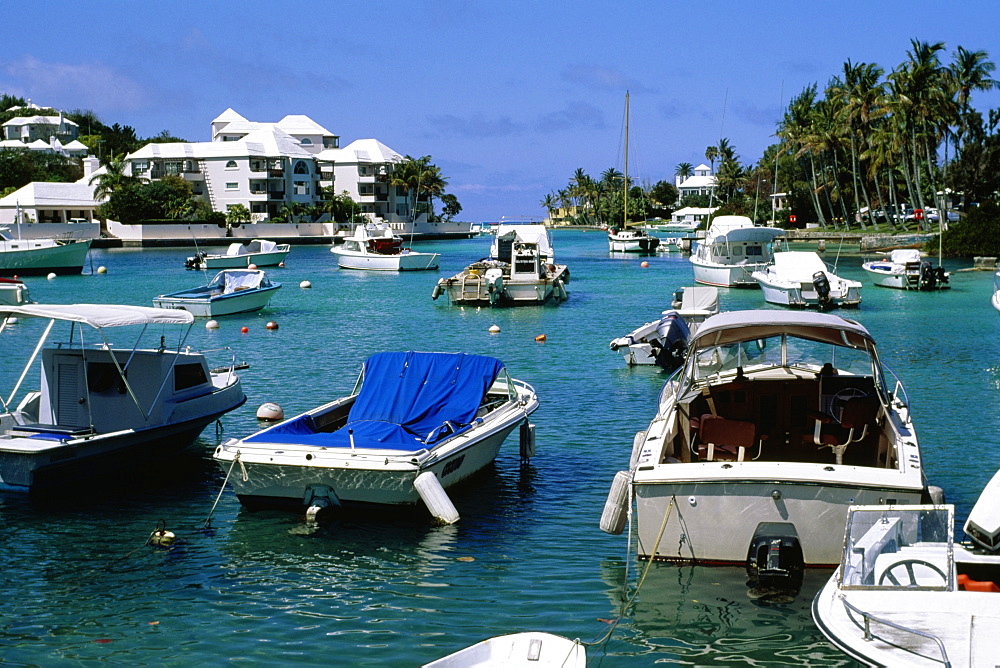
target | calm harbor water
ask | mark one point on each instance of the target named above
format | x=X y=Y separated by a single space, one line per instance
x=80 y=586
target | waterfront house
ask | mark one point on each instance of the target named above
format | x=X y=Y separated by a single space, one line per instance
x=702 y=183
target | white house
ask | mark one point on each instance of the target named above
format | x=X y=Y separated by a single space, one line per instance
x=27 y=129
x=690 y=215
x=363 y=169
x=702 y=183
x=44 y=202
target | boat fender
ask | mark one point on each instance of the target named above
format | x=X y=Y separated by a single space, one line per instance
x=637 y=441
x=935 y=495
x=161 y=537
x=527 y=441
x=431 y=492
x=436 y=292
x=616 y=507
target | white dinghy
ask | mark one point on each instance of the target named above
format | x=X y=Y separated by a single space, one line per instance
x=518 y=650
x=416 y=424
x=100 y=407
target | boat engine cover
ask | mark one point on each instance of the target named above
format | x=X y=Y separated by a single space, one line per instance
x=774 y=558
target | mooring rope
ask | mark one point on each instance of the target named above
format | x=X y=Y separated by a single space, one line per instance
x=208 y=520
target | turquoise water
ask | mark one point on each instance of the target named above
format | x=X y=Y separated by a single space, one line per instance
x=256 y=588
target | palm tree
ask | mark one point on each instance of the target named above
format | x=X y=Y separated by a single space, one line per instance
x=970 y=72
x=113 y=178
x=684 y=170
x=549 y=204
x=712 y=154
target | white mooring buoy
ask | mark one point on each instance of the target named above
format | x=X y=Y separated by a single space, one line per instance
x=51 y=276
x=616 y=507
x=270 y=411
x=494 y=329
x=435 y=498
x=212 y=324
x=305 y=284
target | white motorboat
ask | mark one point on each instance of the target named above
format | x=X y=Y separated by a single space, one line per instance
x=24 y=257
x=13 y=292
x=240 y=255
x=520 y=270
x=415 y=424
x=524 y=650
x=905 y=594
x=802 y=279
x=631 y=240
x=100 y=407
x=231 y=291
x=663 y=342
x=776 y=423
x=733 y=248
x=905 y=269
x=374 y=246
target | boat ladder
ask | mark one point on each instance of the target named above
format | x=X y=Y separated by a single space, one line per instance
x=472 y=287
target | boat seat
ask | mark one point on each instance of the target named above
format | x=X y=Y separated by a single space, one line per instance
x=858 y=413
x=726 y=440
x=965 y=583
x=61 y=430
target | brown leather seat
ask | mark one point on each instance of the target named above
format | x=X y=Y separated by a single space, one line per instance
x=725 y=440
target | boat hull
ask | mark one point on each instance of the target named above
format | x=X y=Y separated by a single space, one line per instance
x=365 y=480
x=725 y=275
x=245 y=301
x=39 y=258
x=644 y=244
x=412 y=261
x=714 y=520
x=271 y=259
x=805 y=295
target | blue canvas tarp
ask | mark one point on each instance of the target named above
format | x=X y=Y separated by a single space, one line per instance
x=407 y=401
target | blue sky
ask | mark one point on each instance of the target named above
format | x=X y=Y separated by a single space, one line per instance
x=508 y=98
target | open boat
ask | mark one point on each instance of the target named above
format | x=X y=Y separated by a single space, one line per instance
x=905 y=269
x=520 y=270
x=525 y=650
x=24 y=257
x=231 y=291
x=240 y=255
x=101 y=407
x=733 y=248
x=374 y=246
x=802 y=279
x=777 y=422
x=13 y=292
x=905 y=594
x=415 y=424
x=663 y=342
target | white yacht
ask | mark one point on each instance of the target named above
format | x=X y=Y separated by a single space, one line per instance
x=99 y=407
x=520 y=270
x=802 y=279
x=375 y=247
x=905 y=594
x=777 y=422
x=905 y=269
x=240 y=255
x=733 y=248
x=415 y=424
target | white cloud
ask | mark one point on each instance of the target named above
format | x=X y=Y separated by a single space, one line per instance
x=92 y=85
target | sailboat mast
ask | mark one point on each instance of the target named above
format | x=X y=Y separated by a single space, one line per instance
x=625 y=215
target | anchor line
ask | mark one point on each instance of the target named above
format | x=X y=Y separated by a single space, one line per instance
x=208 y=520
x=627 y=601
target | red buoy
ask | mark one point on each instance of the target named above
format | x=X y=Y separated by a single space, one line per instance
x=244 y=329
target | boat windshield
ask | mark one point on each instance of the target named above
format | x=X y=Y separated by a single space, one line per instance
x=892 y=547
x=780 y=351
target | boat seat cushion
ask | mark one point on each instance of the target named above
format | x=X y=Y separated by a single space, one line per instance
x=60 y=431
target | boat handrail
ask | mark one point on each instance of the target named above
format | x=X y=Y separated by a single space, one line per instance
x=868 y=617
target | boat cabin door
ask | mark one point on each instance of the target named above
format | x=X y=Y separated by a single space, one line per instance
x=65 y=399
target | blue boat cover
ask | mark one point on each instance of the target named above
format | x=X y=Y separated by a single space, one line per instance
x=408 y=401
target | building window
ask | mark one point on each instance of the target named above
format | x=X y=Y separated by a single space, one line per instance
x=366 y=189
x=300 y=188
x=231 y=164
x=232 y=186
x=139 y=167
x=301 y=167
x=306 y=141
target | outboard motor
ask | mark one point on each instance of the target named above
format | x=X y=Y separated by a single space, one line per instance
x=928 y=277
x=822 y=284
x=195 y=261
x=494 y=284
x=942 y=275
x=775 y=563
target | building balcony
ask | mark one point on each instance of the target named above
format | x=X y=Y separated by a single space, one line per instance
x=276 y=173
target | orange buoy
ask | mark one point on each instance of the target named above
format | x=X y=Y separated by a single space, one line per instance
x=271 y=325
x=644 y=264
x=540 y=337
x=244 y=329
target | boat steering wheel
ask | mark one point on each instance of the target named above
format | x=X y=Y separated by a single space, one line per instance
x=907 y=565
x=838 y=400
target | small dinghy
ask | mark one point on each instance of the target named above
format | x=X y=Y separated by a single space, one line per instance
x=518 y=649
x=663 y=342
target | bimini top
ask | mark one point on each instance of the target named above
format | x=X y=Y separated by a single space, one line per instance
x=736 y=326
x=408 y=401
x=100 y=315
x=532 y=233
x=739 y=228
x=255 y=246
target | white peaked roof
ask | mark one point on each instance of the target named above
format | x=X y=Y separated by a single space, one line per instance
x=298 y=124
x=270 y=142
x=230 y=122
x=100 y=315
x=39 y=120
x=361 y=150
x=228 y=116
x=45 y=195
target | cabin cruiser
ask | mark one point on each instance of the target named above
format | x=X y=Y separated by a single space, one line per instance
x=240 y=255
x=631 y=240
x=374 y=246
x=906 y=594
x=905 y=269
x=99 y=407
x=415 y=424
x=231 y=291
x=663 y=342
x=24 y=257
x=775 y=424
x=520 y=270
x=733 y=248
x=802 y=279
